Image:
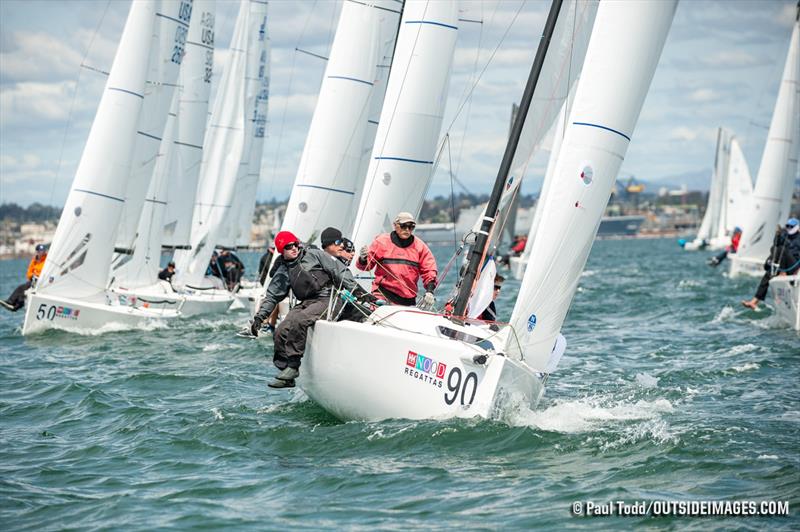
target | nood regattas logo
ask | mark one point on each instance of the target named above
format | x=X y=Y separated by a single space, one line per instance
x=68 y=313
x=425 y=369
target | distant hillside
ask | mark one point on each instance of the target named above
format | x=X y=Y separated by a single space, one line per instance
x=694 y=180
x=35 y=212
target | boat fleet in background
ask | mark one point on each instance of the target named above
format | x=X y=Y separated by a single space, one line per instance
x=159 y=172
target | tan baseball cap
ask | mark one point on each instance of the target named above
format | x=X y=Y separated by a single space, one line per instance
x=404 y=217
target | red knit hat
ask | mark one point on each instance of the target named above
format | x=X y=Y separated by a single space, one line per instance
x=283 y=238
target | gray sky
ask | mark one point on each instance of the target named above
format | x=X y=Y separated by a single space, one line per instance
x=721 y=66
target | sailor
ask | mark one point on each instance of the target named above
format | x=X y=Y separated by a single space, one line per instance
x=213 y=266
x=232 y=268
x=17 y=298
x=167 y=273
x=399 y=260
x=784 y=259
x=310 y=274
x=731 y=248
x=342 y=249
x=490 y=314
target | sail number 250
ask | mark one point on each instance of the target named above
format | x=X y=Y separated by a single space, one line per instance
x=464 y=387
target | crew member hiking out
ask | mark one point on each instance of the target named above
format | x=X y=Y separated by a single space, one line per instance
x=784 y=259
x=340 y=248
x=399 y=260
x=310 y=274
x=17 y=298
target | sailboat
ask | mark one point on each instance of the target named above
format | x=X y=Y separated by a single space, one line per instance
x=772 y=193
x=785 y=289
x=226 y=150
x=728 y=196
x=406 y=363
x=72 y=292
x=136 y=278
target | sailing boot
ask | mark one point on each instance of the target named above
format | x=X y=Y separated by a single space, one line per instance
x=284 y=379
x=7 y=305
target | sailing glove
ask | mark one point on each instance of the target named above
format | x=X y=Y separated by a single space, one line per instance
x=255 y=326
x=428 y=301
x=363 y=254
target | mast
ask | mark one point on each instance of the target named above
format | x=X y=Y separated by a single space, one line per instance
x=476 y=254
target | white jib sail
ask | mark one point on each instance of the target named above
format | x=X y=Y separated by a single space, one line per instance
x=327 y=176
x=411 y=119
x=772 y=193
x=222 y=152
x=166 y=53
x=739 y=188
x=186 y=153
x=78 y=262
x=625 y=45
x=560 y=69
x=714 y=218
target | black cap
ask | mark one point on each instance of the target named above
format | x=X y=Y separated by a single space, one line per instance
x=348 y=245
x=40 y=247
x=329 y=236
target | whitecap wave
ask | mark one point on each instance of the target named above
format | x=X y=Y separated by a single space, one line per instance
x=586 y=415
x=724 y=315
x=646 y=381
x=745 y=367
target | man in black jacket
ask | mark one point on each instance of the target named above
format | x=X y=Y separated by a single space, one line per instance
x=784 y=259
x=310 y=274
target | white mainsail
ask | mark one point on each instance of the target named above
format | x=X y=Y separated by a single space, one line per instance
x=739 y=188
x=256 y=89
x=170 y=31
x=714 y=217
x=625 y=46
x=77 y=265
x=186 y=153
x=411 y=119
x=327 y=176
x=772 y=192
x=223 y=149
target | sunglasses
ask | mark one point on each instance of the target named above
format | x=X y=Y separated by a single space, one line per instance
x=408 y=225
x=497 y=287
x=290 y=246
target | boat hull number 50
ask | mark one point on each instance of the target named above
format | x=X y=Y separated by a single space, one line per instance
x=46 y=312
x=461 y=387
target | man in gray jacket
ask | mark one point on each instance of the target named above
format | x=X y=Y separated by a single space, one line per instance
x=310 y=274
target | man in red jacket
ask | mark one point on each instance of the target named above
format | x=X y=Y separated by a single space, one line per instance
x=399 y=260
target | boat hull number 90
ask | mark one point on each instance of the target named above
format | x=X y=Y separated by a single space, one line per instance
x=460 y=387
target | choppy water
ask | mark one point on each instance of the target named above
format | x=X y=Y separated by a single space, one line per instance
x=669 y=390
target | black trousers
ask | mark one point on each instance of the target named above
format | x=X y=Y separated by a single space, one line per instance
x=763 y=286
x=290 y=335
x=17 y=297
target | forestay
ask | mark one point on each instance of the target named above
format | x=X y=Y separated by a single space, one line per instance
x=223 y=149
x=773 y=189
x=186 y=153
x=411 y=119
x=78 y=262
x=623 y=51
x=171 y=29
x=327 y=176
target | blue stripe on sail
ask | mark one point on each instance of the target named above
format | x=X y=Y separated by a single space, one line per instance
x=148 y=135
x=207 y=47
x=432 y=23
x=99 y=194
x=329 y=189
x=182 y=23
x=188 y=145
x=126 y=91
x=403 y=159
x=150 y=200
x=351 y=79
x=372 y=122
x=602 y=127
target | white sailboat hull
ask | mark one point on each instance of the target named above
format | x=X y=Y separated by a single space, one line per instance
x=746 y=266
x=53 y=312
x=415 y=373
x=786 y=296
x=161 y=296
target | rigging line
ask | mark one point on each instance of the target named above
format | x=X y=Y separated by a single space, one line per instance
x=452 y=195
x=72 y=105
x=276 y=159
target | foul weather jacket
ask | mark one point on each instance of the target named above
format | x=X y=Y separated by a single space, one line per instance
x=35 y=267
x=398 y=266
x=310 y=276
